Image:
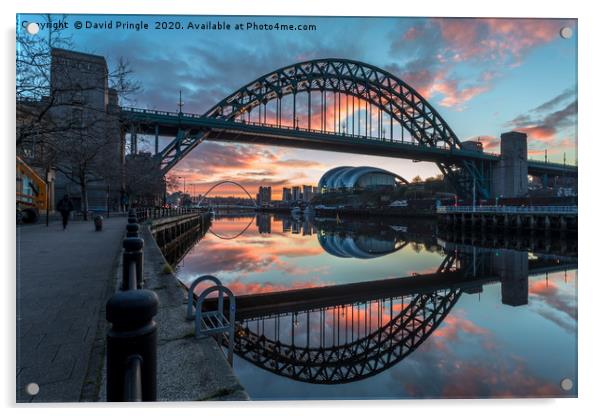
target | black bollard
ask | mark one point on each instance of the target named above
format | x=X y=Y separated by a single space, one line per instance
x=133 y=258
x=132 y=346
x=98 y=222
x=132 y=230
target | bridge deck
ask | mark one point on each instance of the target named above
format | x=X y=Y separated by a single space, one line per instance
x=168 y=124
x=262 y=304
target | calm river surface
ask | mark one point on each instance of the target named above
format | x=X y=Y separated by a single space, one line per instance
x=475 y=321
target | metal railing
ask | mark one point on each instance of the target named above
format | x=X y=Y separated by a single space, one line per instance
x=353 y=135
x=132 y=338
x=542 y=163
x=143 y=214
x=505 y=209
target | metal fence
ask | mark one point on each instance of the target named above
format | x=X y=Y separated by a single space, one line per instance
x=505 y=209
x=132 y=338
x=143 y=214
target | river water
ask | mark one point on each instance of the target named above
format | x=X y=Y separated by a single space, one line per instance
x=440 y=316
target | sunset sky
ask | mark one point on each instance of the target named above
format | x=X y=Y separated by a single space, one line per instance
x=484 y=76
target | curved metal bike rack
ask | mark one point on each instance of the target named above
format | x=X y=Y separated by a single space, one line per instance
x=193 y=285
x=215 y=322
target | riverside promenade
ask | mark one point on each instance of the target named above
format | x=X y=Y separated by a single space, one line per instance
x=64 y=279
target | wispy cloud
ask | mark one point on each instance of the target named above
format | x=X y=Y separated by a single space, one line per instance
x=438 y=47
x=544 y=122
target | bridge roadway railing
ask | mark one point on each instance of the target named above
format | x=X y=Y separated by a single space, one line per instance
x=504 y=209
x=534 y=162
x=275 y=126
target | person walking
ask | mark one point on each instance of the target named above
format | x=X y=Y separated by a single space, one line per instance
x=65 y=207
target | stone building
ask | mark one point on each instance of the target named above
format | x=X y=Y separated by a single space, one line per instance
x=87 y=113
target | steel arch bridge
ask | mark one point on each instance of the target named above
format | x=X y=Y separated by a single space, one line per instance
x=202 y=198
x=388 y=118
x=378 y=345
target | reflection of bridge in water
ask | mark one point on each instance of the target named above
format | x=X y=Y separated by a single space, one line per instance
x=349 y=332
x=345 y=333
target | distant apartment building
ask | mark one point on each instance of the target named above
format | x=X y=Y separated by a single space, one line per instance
x=287 y=195
x=264 y=196
x=296 y=193
x=307 y=193
x=264 y=224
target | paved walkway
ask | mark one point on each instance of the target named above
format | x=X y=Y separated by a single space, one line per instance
x=63 y=281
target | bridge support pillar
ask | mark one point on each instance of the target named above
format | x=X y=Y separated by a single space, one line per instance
x=510 y=173
x=547 y=223
x=563 y=225
x=513 y=269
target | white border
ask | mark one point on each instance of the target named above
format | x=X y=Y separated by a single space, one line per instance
x=590 y=153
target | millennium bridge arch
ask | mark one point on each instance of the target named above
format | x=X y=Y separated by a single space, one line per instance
x=244 y=229
x=220 y=183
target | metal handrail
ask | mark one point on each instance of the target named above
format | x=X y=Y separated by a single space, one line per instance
x=505 y=209
x=132 y=386
x=156 y=213
x=131 y=341
x=132 y=276
x=304 y=129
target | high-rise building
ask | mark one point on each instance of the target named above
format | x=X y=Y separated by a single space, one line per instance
x=287 y=196
x=264 y=223
x=307 y=193
x=264 y=196
x=296 y=193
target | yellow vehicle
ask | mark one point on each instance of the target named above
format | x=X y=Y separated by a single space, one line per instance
x=32 y=193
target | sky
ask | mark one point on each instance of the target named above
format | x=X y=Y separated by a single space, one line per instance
x=484 y=76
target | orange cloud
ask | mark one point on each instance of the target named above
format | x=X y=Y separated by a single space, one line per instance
x=541 y=133
x=251 y=253
x=496 y=39
x=240 y=287
x=454 y=324
x=494 y=380
x=442 y=43
x=454 y=96
x=490 y=143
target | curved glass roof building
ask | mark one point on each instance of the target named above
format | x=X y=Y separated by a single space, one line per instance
x=357 y=177
x=359 y=247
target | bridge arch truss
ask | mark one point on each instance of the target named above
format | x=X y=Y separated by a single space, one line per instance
x=357 y=79
x=359 y=359
x=366 y=85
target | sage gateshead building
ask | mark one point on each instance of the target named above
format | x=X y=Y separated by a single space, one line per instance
x=361 y=177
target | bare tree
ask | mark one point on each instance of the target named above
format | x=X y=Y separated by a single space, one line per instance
x=35 y=97
x=171 y=182
x=144 y=179
x=64 y=124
